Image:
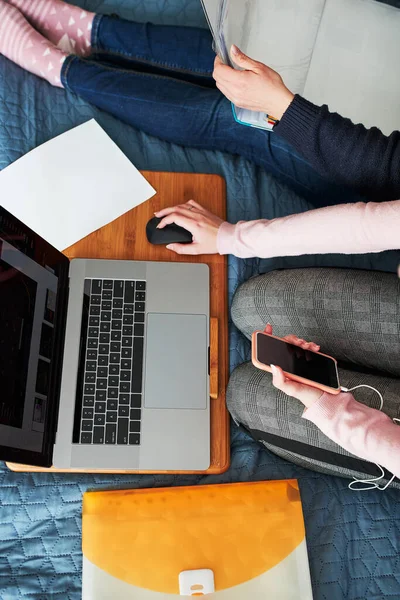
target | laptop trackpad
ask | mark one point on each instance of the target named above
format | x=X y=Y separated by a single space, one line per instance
x=176 y=361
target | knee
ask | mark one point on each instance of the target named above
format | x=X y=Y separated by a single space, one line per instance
x=239 y=397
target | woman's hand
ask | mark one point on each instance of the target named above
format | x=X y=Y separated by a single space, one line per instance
x=257 y=87
x=305 y=393
x=202 y=224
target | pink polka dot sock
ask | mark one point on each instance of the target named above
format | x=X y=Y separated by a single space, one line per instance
x=68 y=27
x=23 y=45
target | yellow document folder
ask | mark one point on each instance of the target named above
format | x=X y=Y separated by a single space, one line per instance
x=251 y=535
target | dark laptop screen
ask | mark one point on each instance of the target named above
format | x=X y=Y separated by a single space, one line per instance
x=31 y=273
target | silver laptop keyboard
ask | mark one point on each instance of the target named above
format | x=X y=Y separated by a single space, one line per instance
x=112 y=393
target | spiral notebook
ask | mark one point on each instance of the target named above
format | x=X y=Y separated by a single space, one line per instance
x=343 y=53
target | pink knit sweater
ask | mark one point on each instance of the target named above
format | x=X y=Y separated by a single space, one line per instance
x=346 y=229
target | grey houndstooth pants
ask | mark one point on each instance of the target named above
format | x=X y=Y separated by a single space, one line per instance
x=355 y=317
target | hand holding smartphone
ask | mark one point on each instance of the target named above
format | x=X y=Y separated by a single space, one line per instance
x=303 y=366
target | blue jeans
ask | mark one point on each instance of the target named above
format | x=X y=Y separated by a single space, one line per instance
x=159 y=79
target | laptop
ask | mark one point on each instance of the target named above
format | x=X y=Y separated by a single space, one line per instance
x=104 y=364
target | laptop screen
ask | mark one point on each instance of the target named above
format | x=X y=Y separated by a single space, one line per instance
x=32 y=274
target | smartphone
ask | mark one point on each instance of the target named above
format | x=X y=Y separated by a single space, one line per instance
x=311 y=368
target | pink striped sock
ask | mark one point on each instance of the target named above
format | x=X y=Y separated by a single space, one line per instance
x=68 y=27
x=27 y=48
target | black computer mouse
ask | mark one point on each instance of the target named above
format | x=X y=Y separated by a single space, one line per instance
x=170 y=234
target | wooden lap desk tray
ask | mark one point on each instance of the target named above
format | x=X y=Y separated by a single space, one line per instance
x=125 y=238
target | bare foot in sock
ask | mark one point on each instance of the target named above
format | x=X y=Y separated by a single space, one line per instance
x=22 y=44
x=68 y=27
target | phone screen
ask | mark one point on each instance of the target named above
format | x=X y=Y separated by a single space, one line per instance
x=297 y=361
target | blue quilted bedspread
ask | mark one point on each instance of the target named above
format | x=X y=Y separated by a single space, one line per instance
x=353 y=538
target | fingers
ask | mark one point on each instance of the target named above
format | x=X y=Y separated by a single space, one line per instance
x=293 y=339
x=289 y=387
x=244 y=61
x=184 y=248
x=268 y=329
x=171 y=209
x=178 y=219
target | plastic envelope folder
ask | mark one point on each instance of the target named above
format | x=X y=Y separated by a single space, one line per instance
x=136 y=543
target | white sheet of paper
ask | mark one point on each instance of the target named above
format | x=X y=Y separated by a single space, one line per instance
x=72 y=185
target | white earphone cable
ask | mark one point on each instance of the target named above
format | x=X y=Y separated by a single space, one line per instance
x=372 y=484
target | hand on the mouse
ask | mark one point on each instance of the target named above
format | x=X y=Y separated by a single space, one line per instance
x=202 y=224
x=305 y=393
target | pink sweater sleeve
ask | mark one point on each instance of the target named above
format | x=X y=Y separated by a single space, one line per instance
x=344 y=229
x=363 y=431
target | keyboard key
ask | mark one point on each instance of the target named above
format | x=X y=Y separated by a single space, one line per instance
x=138 y=330
x=103 y=360
x=140 y=296
x=112 y=392
x=98 y=435
x=100 y=407
x=123 y=410
x=139 y=306
x=91 y=354
x=107 y=285
x=122 y=436
x=116 y=336
x=105 y=327
x=105 y=316
x=112 y=405
x=90 y=365
x=117 y=303
x=96 y=286
x=134 y=439
x=93 y=332
x=139 y=317
x=141 y=285
x=88 y=400
x=134 y=427
x=95 y=310
x=102 y=372
x=104 y=349
x=95 y=300
x=128 y=309
x=117 y=313
x=115 y=347
x=107 y=295
x=114 y=358
x=137 y=370
x=126 y=363
x=126 y=353
x=136 y=400
x=90 y=377
x=86 y=438
x=126 y=342
x=106 y=305
x=101 y=395
x=87 y=413
x=92 y=343
x=135 y=414
x=129 y=291
x=127 y=330
x=113 y=381
x=100 y=419
x=111 y=416
x=125 y=376
x=128 y=320
x=114 y=370
x=89 y=389
x=124 y=386
x=87 y=425
x=111 y=433
x=118 y=289
x=101 y=384
x=116 y=324
x=94 y=321
x=104 y=338
x=124 y=399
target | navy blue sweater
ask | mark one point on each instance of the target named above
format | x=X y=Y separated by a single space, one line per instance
x=363 y=159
